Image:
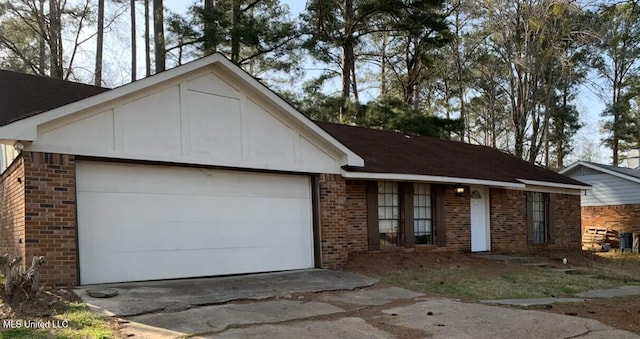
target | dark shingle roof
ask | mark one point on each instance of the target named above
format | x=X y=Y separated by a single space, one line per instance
x=622 y=170
x=24 y=95
x=391 y=152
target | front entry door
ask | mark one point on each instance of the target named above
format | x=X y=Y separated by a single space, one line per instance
x=480 y=235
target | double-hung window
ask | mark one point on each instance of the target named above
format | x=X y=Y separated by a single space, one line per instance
x=422 y=221
x=388 y=213
x=539 y=210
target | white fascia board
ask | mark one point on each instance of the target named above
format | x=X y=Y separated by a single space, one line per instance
x=554 y=184
x=601 y=169
x=430 y=178
x=572 y=166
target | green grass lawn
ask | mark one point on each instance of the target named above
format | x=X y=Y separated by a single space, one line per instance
x=481 y=281
x=75 y=321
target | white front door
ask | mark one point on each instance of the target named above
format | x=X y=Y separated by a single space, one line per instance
x=480 y=236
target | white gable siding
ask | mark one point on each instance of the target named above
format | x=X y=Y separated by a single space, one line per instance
x=202 y=118
x=609 y=190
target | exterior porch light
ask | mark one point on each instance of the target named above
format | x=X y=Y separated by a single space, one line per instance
x=459 y=190
x=18 y=146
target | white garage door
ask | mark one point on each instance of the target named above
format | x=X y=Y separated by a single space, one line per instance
x=142 y=222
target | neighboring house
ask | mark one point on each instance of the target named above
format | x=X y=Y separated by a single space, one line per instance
x=614 y=200
x=201 y=170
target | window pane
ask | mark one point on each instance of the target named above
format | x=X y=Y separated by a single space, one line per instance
x=388 y=213
x=539 y=217
x=422 y=213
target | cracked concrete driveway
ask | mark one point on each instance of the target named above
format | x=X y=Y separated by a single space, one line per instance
x=320 y=304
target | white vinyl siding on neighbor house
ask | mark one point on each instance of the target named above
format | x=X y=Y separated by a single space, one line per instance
x=608 y=189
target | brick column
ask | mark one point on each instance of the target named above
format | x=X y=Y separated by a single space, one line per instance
x=333 y=230
x=50 y=215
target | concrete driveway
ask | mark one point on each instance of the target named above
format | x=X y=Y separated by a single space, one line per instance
x=319 y=304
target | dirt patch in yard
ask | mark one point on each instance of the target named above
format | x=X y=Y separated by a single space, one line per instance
x=46 y=303
x=622 y=313
x=447 y=270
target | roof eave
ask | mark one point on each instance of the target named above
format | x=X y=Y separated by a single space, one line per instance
x=554 y=184
x=430 y=178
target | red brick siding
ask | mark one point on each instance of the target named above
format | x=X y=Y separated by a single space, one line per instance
x=622 y=218
x=457 y=214
x=568 y=235
x=357 y=216
x=508 y=217
x=509 y=222
x=333 y=229
x=50 y=215
x=12 y=210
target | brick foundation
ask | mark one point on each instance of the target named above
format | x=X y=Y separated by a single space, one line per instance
x=622 y=218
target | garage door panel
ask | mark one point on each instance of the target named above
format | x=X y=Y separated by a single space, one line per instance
x=193 y=181
x=172 y=234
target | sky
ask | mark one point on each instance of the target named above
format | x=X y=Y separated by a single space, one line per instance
x=588 y=104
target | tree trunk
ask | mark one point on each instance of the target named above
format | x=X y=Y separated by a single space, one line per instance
x=347 y=61
x=134 y=55
x=99 y=45
x=55 y=40
x=209 y=28
x=147 y=39
x=158 y=35
x=235 y=32
x=383 y=67
x=42 y=53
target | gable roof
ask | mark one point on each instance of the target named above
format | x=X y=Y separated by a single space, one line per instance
x=25 y=95
x=621 y=172
x=388 y=152
x=24 y=127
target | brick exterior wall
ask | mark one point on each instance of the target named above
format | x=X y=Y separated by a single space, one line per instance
x=12 y=210
x=509 y=222
x=357 y=216
x=457 y=215
x=508 y=219
x=568 y=234
x=50 y=215
x=622 y=218
x=333 y=230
